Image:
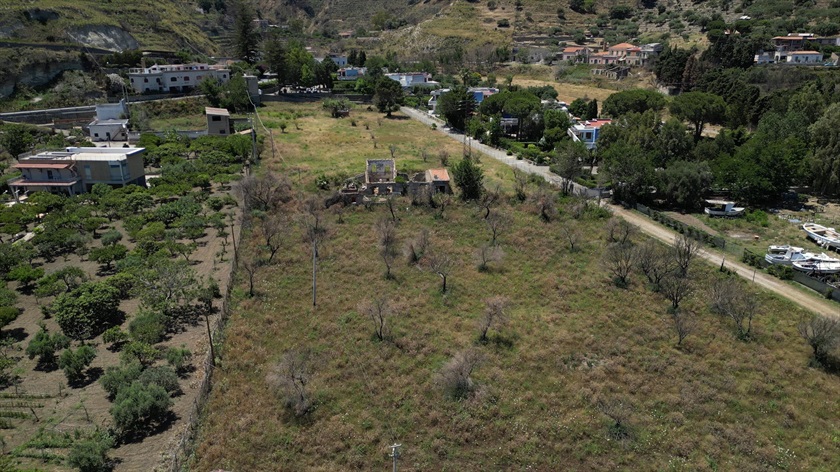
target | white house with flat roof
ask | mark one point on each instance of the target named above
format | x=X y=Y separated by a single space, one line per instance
x=111 y=123
x=174 y=77
x=413 y=79
x=77 y=169
x=804 y=57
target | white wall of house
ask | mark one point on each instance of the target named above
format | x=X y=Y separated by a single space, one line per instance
x=116 y=131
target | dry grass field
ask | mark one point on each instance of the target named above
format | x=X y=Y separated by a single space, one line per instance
x=586 y=375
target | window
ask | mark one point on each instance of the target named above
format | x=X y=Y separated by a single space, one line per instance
x=186 y=78
x=215 y=118
x=146 y=80
x=116 y=172
x=588 y=136
x=95 y=135
x=132 y=81
x=173 y=79
x=50 y=175
x=88 y=175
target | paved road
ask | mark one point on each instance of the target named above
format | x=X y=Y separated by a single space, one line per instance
x=804 y=299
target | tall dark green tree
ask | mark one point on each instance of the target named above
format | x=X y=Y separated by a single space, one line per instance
x=699 y=108
x=456 y=106
x=274 y=55
x=16 y=139
x=469 y=178
x=635 y=100
x=246 y=38
x=388 y=95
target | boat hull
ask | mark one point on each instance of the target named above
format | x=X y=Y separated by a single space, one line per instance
x=820 y=234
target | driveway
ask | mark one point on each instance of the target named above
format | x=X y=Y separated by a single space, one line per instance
x=801 y=297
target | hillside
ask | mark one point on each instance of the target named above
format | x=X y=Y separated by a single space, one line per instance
x=112 y=24
x=585 y=375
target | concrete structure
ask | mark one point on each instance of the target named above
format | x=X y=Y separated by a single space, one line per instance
x=804 y=57
x=413 y=79
x=174 y=77
x=76 y=170
x=351 y=73
x=587 y=132
x=614 y=72
x=438 y=179
x=218 y=122
x=252 y=83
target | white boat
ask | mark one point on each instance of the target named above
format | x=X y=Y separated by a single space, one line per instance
x=723 y=208
x=787 y=255
x=826 y=237
x=818 y=267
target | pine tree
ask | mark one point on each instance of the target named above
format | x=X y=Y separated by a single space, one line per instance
x=245 y=37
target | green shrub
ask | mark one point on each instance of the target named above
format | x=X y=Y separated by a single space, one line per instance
x=139 y=406
x=118 y=377
x=91 y=455
x=178 y=358
x=44 y=345
x=782 y=272
x=7 y=315
x=148 y=327
x=757 y=217
x=136 y=351
x=115 y=336
x=74 y=363
x=163 y=376
x=123 y=282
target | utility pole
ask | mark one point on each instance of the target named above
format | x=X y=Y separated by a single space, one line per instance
x=395 y=453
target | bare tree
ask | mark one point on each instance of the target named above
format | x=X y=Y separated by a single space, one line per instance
x=250 y=263
x=424 y=154
x=290 y=378
x=545 y=203
x=392 y=148
x=822 y=334
x=487 y=254
x=497 y=222
x=571 y=234
x=684 y=324
x=443 y=155
x=489 y=199
x=441 y=264
x=729 y=298
x=676 y=288
x=619 y=259
x=655 y=261
x=421 y=195
x=275 y=229
x=456 y=375
x=264 y=192
x=520 y=185
x=416 y=248
x=386 y=232
x=495 y=315
x=379 y=312
x=389 y=201
x=315 y=233
x=685 y=250
x=619 y=413
x=619 y=230
x=441 y=200
x=338 y=210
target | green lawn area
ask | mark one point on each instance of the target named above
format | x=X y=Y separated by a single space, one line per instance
x=586 y=375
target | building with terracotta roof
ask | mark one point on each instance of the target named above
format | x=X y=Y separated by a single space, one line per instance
x=575 y=53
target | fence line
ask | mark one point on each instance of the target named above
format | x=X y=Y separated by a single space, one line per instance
x=178 y=455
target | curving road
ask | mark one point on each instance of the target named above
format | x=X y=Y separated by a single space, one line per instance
x=802 y=298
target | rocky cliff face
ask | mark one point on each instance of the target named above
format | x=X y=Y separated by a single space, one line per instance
x=103 y=36
x=36 y=74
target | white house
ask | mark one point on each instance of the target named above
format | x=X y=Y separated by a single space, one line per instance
x=587 y=132
x=174 y=77
x=763 y=58
x=111 y=123
x=804 y=57
x=413 y=79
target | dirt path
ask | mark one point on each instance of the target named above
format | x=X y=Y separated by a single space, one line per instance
x=803 y=299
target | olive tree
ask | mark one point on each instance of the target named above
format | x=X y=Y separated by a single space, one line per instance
x=87 y=310
x=290 y=378
x=495 y=315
